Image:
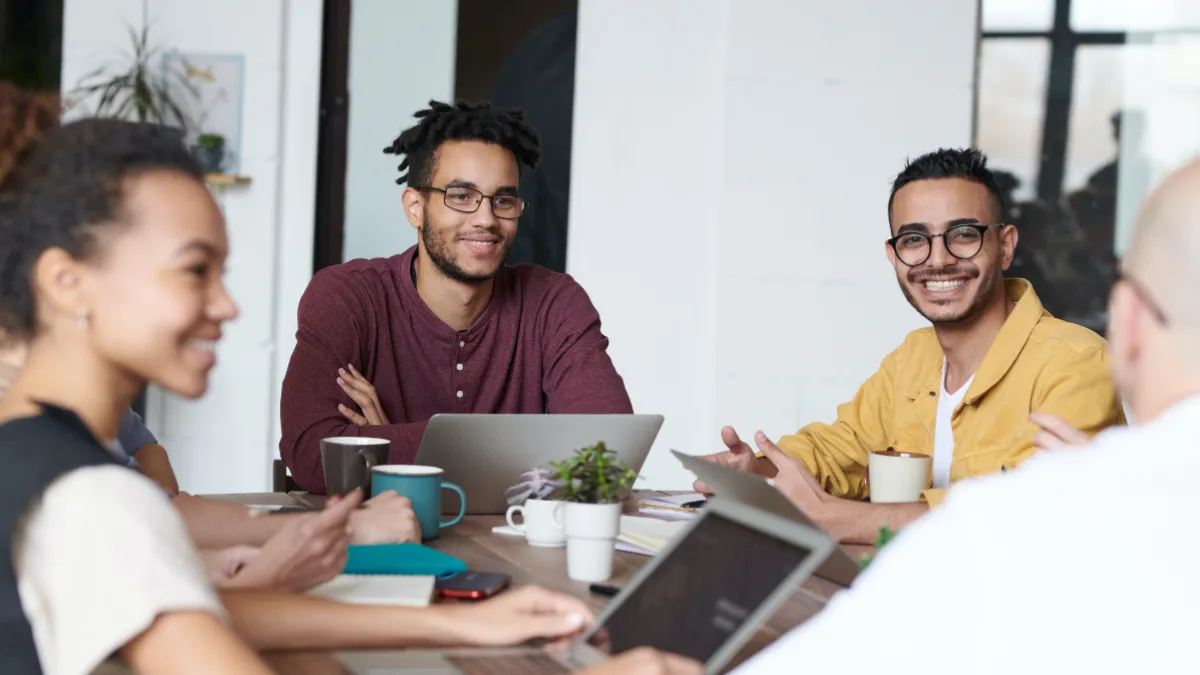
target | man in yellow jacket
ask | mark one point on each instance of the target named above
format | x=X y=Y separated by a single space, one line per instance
x=963 y=390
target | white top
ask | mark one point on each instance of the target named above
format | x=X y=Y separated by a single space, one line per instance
x=102 y=556
x=1080 y=561
x=943 y=433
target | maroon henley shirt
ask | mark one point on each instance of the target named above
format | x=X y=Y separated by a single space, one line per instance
x=536 y=348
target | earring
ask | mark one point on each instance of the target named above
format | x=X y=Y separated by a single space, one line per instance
x=83 y=318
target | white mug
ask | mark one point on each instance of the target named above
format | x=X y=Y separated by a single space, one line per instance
x=897 y=477
x=539 y=526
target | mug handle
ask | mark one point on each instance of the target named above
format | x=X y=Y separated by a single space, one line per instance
x=512 y=511
x=462 y=504
x=367 y=458
x=554 y=515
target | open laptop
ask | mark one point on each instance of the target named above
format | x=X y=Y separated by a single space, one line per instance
x=840 y=567
x=703 y=596
x=486 y=454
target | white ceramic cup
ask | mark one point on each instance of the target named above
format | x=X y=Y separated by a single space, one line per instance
x=538 y=524
x=591 y=537
x=897 y=477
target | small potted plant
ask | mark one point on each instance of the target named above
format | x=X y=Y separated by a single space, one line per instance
x=593 y=483
x=209 y=150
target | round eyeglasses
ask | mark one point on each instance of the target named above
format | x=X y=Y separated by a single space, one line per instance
x=962 y=241
x=467 y=200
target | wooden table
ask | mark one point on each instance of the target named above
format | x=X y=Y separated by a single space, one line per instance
x=473 y=542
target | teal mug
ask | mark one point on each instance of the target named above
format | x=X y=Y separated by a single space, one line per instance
x=423 y=486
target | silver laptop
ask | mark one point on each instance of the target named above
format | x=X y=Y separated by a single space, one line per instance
x=703 y=596
x=840 y=567
x=486 y=454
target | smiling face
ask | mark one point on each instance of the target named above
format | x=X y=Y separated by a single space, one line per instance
x=155 y=291
x=945 y=289
x=466 y=247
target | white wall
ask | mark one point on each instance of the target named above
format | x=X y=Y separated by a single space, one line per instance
x=226 y=441
x=401 y=56
x=731 y=164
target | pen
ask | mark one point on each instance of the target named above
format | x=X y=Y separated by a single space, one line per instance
x=694 y=505
x=604 y=589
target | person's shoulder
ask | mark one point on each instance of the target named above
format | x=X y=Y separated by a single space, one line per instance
x=1061 y=336
x=919 y=352
x=357 y=273
x=104 y=492
x=539 y=285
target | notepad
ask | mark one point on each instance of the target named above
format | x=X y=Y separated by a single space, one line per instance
x=378 y=589
x=401 y=559
x=646 y=536
x=671 y=506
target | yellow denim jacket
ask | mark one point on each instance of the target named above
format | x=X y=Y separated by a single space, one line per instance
x=1037 y=363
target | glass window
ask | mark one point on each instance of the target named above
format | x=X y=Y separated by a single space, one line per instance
x=1131 y=15
x=1012 y=104
x=1018 y=15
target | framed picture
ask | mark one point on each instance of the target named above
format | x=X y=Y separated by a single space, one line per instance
x=214 y=104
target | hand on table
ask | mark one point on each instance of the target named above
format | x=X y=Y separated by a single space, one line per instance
x=308 y=550
x=386 y=518
x=1056 y=432
x=515 y=617
x=646 y=661
x=739 y=456
x=363 y=394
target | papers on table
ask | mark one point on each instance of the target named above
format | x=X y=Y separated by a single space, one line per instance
x=646 y=536
x=671 y=506
x=378 y=589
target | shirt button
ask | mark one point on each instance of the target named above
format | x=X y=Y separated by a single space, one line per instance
x=461 y=343
x=459 y=394
x=459 y=366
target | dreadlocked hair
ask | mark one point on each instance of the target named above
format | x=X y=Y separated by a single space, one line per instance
x=463 y=121
x=24 y=117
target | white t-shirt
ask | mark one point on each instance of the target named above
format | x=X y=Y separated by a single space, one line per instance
x=1080 y=561
x=943 y=433
x=99 y=559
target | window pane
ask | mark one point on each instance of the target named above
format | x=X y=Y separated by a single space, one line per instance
x=1130 y=15
x=1006 y=15
x=1012 y=97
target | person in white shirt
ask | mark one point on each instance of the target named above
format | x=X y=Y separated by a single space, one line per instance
x=1079 y=561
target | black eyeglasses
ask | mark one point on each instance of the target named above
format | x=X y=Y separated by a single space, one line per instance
x=467 y=200
x=1144 y=295
x=962 y=241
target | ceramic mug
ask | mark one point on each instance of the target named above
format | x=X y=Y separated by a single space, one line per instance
x=423 y=486
x=347 y=462
x=539 y=526
x=895 y=477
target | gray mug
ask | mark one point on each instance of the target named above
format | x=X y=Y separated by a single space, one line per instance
x=347 y=462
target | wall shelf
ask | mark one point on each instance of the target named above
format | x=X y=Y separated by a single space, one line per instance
x=225 y=179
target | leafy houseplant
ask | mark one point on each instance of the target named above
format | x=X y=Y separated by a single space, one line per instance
x=592 y=484
x=137 y=89
x=885 y=535
x=594 y=476
x=210 y=151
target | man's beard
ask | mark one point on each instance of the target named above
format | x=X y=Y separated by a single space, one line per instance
x=987 y=288
x=439 y=254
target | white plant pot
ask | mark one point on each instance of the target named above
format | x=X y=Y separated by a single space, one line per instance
x=591 y=536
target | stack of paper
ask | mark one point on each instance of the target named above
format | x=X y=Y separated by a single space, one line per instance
x=646 y=536
x=671 y=506
x=378 y=589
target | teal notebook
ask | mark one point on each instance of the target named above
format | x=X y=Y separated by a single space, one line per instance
x=401 y=559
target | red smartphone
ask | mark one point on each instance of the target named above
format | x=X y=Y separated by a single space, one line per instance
x=472 y=585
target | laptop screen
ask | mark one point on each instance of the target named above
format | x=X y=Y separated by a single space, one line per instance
x=702 y=592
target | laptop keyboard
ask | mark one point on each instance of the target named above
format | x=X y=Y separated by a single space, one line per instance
x=509 y=664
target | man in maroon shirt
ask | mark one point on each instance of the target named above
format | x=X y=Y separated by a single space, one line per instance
x=445 y=327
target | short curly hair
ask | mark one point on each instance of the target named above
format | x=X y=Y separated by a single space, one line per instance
x=24 y=117
x=463 y=121
x=67 y=189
